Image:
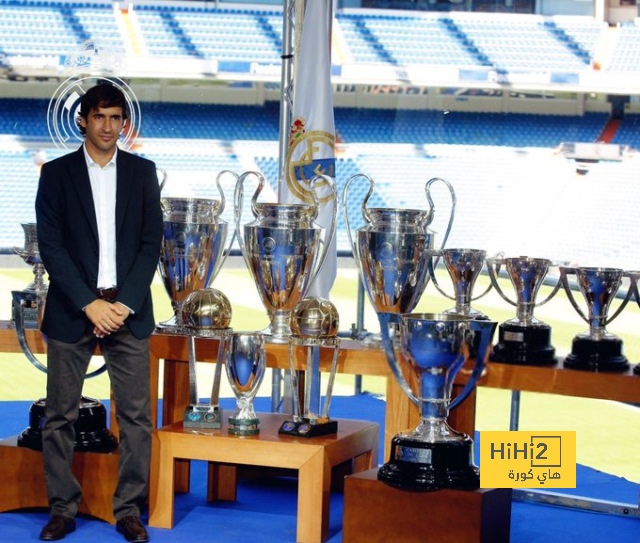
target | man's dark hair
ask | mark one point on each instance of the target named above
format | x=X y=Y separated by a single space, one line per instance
x=102 y=95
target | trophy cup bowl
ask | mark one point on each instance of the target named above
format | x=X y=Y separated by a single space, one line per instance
x=245 y=362
x=464 y=267
x=284 y=250
x=433 y=349
x=314 y=324
x=524 y=339
x=30 y=253
x=393 y=249
x=205 y=313
x=596 y=349
x=193 y=249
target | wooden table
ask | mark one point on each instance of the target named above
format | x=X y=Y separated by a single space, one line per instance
x=312 y=458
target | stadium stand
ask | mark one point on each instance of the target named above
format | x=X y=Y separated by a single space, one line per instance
x=502 y=154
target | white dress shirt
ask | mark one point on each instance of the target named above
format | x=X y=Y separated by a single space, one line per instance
x=103 y=188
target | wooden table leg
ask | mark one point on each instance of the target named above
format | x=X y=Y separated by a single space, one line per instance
x=314 y=492
x=161 y=496
x=222 y=482
x=175 y=400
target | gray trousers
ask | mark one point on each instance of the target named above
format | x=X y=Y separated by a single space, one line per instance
x=127 y=360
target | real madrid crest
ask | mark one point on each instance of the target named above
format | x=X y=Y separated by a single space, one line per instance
x=304 y=162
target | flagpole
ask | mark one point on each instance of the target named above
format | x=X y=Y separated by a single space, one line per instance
x=286 y=103
x=286 y=87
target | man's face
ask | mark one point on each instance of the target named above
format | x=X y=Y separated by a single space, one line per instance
x=103 y=126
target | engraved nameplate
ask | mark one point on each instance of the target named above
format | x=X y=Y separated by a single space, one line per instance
x=415 y=455
x=516 y=337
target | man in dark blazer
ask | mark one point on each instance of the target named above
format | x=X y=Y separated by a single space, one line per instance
x=99 y=234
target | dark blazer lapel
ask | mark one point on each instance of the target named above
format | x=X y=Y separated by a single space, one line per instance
x=80 y=176
x=124 y=183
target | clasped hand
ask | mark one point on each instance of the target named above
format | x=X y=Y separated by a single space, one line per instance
x=106 y=317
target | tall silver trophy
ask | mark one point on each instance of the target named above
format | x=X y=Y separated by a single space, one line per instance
x=524 y=339
x=433 y=349
x=205 y=313
x=245 y=362
x=284 y=248
x=91 y=429
x=194 y=248
x=314 y=325
x=464 y=267
x=596 y=349
x=393 y=247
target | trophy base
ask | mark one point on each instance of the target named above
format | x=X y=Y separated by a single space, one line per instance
x=596 y=355
x=244 y=427
x=202 y=416
x=416 y=465
x=308 y=428
x=524 y=345
x=174 y=325
x=92 y=434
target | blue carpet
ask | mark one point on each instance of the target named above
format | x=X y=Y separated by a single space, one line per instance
x=265 y=511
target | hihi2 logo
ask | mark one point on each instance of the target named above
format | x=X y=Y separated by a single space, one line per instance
x=528 y=459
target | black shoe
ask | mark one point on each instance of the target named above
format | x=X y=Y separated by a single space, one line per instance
x=57 y=527
x=132 y=529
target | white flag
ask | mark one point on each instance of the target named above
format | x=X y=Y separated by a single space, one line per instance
x=312 y=133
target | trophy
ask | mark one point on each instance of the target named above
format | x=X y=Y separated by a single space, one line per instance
x=634 y=275
x=464 y=267
x=193 y=249
x=245 y=361
x=393 y=249
x=314 y=324
x=284 y=249
x=525 y=339
x=434 y=347
x=205 y=313
x=596 y=349
x=91 y=429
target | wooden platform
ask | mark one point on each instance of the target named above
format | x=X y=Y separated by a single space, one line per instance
x=23 y=485
x=313 y=459
x=375 y=512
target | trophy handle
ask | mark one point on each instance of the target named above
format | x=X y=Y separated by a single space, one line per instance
x=164 y=176
x=332 y=229
x=365 y=211
x=19 y=297
x=555 y=290
x=223 y=201
x=633 y=277
x=427 y=189
x=238 y=197
x=564 y=271
x=630 y=292
x=387 y=321
x=485 y=330
x=493 y=275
